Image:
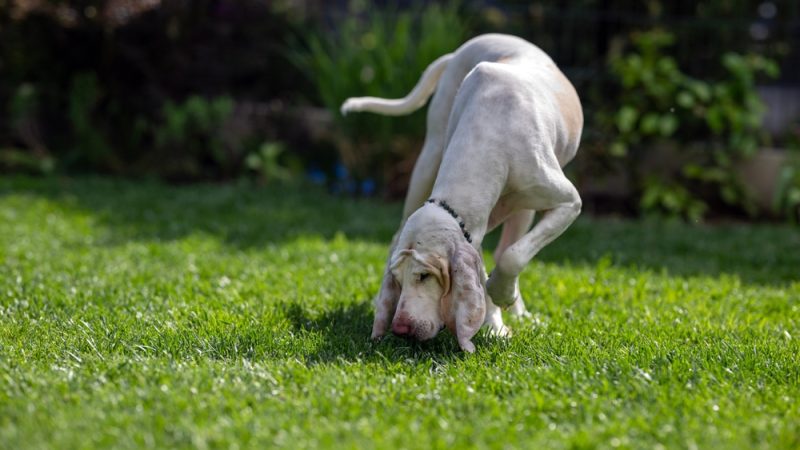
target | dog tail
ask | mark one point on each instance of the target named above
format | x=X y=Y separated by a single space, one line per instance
x=410 y=103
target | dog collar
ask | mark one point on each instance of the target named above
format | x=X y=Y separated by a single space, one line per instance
x=443 y=204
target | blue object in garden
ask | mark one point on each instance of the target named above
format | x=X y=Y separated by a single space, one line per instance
x=341 y=172
x=368 y=187
x=345 y=184
x=317 y=176
x=350 y=186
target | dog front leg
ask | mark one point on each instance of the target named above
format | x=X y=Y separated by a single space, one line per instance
x=514 y=228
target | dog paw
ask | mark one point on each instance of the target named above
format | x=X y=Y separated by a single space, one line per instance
x=517 y=309
x=466 y=345
x=494 y=324
x=500 y=331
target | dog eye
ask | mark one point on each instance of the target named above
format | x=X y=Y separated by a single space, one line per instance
x=423 y=277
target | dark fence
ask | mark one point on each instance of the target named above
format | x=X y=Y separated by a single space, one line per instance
x=93 y=85
x=581 y=35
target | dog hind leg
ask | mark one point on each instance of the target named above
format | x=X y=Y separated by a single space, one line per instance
x=502 y=286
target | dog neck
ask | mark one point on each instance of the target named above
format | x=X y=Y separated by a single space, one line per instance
x=430 y=227
x=443 y=204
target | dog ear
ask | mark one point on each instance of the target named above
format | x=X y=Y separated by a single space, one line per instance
x=464 y=307
x=385 y=304
x=388 y=295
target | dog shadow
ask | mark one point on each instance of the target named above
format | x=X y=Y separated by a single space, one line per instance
x=343 y=333
x=334 y=335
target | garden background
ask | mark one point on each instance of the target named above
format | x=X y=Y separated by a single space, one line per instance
x=191 y=235
x=691 y=107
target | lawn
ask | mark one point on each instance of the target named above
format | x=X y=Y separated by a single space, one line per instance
x=134 y=314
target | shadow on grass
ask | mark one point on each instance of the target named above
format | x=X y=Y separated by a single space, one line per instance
x=343 y=333
x=763 y=254
x=244 y=215
x=340 y=333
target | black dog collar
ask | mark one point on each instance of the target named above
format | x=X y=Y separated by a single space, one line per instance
x=443 y=204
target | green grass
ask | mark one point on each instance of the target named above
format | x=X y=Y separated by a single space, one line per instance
x=139 y=315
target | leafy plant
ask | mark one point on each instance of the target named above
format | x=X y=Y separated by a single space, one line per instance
x=190 y=130
x=266 y=162
x=787 y=193
x=660 y=103
x=378 y=53
x=33 y=156
x=83 y=87
x=651 y=83
x=88 y=140
x=671 y=198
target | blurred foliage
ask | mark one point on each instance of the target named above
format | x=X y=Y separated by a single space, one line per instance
x=271 y=162
x=787 y=194
x=185 y=90
x=582 y=35
x=382 y=53
x=188 y=134
x=88 y=142
x=718 y=119
x=579 y=33
x=31 y=156
x=87 y=92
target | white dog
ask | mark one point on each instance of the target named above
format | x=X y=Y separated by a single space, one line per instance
x=503 y=122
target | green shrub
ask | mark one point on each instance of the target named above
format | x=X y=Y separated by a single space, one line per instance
x=88 y=141
x=190 y=135
x=710 y=124
x=378 y=53
x=23 y=149
x=787 y=194
x=81 y=90
x=271 y=162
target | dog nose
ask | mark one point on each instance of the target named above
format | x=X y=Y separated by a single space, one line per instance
x=401 y=328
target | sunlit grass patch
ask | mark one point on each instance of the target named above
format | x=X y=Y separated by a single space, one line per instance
x=140 y=315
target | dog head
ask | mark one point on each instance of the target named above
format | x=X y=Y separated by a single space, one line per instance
x=433 y=284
